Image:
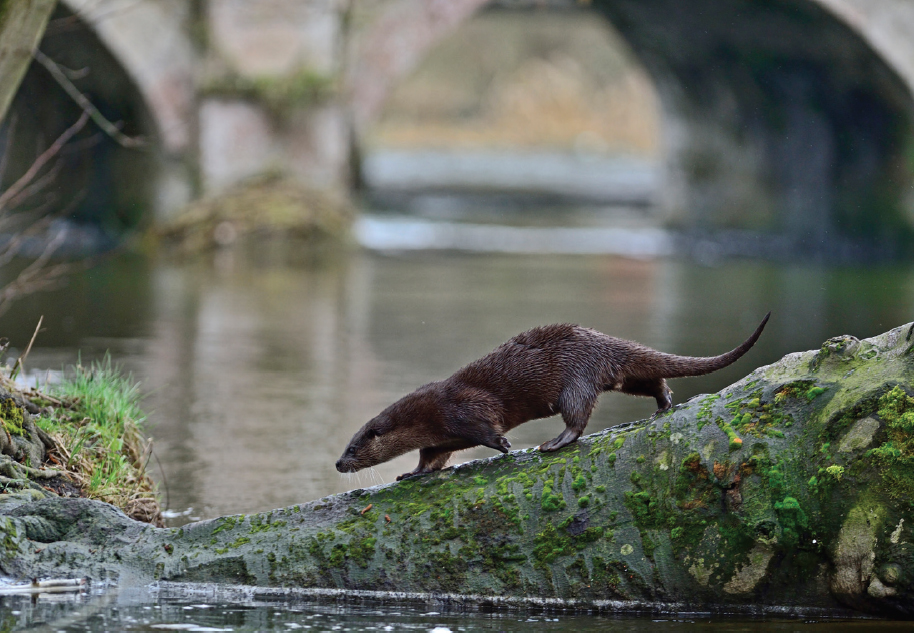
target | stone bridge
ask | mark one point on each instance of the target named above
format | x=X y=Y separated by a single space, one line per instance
x=777 y=114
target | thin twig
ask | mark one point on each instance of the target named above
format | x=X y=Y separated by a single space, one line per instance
x=21 y=360
x=25 y=285
x=83 y=102
x=36 y=276
x=35 y=187
x=40 y=162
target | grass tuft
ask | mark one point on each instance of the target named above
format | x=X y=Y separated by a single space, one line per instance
x=96 y=423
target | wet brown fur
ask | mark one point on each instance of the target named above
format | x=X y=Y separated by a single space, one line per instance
x=547 y=370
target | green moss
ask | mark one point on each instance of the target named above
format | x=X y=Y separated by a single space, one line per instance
x=238 y=542
x=640 y=459
x=895 y=456
x=579 y=484
x=259 y=523
x=303 y=87
x=792 y=518
x=228 y=523
x=735 y=442
x=611 y=458
x=704 y=412
x=11 y=416
x=550 y=544
x=584 y=501
x=794 y=389
x=362 y=551
x=551 y=502
x=814 y=392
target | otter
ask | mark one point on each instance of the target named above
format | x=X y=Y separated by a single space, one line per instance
x=550 y=369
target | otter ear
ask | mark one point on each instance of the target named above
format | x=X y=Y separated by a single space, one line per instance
x=372 y=433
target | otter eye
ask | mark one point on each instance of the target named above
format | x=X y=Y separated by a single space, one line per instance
x=350 y=450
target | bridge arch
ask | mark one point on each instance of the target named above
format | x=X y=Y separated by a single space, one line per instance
x=102 y=184
x=782 y=115
x=150 y=41
x=96 y=184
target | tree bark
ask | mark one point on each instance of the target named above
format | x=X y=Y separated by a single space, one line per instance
x=789 y=490
x=22 y=23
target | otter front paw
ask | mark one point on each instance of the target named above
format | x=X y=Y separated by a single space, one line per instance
x=413 y=473
x=499 y=443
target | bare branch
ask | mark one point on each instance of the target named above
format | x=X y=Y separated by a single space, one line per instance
x=83 y=102
x=33 y=269
x=33 y=188
x=40 y=162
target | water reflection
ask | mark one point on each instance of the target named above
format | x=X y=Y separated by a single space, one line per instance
x=260 y=366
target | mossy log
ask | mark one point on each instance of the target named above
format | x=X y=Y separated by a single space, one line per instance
x=792 y=488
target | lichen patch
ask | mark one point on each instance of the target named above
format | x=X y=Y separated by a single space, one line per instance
x=855 y=551
x=748 y=575
x=700 y=573
x=860 y=435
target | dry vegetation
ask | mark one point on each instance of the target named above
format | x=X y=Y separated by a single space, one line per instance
x=263 y=206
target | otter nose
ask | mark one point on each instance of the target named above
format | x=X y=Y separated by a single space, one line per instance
x=339 y=465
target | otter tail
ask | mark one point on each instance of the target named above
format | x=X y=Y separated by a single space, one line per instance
x=682 y=366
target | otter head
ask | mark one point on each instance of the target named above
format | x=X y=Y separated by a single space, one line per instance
x=367 y=447
x=400 y=428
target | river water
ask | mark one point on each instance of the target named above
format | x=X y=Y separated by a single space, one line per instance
x=259 y=365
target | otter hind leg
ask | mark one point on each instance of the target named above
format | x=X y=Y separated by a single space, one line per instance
x=576 y=408
x=652 y=388
x=430 y=460
x=564 y=438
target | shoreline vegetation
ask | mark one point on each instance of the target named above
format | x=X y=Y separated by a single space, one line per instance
x=82 y=437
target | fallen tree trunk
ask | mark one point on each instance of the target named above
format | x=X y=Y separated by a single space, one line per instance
x=791 y=488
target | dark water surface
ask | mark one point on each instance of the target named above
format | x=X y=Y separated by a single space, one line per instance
x=259 y=367
x=132 y=611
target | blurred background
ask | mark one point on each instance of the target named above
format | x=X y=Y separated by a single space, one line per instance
x=284 y=215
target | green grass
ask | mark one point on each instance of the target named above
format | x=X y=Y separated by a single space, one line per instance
x=97 y=426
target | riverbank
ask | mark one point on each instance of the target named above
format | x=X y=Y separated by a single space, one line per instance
x=81 y=438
